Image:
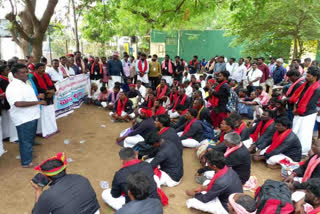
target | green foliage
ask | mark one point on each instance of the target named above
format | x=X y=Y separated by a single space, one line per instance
x=268 y=27
x=138 y=17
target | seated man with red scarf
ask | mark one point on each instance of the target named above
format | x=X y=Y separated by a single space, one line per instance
x=162 y=90
x=182 y=110
x=158 y=108
x=168 y=162
x=173 y=95
x=237 y=156
x=240 y=126
x=285 y=145
x=122 y=109
x=117 y=195
x=214 y=197
x=262 y=132
x=309 y=169
x=183 y=99
x=47 y=124
x=218 y=99
x=191 y=133
x=139 y=130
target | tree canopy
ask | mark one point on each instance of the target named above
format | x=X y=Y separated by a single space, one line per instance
x=268 y=27
x=133 y=17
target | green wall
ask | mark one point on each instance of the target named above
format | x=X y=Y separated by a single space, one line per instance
x=205 y=44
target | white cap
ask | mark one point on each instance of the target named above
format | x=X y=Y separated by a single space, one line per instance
x=280 y=60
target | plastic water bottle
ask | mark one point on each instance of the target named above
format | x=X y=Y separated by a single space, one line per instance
x=69 y=160
x=104 y=184
x=66 y=141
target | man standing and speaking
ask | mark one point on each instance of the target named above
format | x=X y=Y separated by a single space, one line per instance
x=24 y=111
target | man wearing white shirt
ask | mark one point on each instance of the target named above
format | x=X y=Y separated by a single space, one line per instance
x=240 y=73
x=253 y=78
x=24 y=111
x=54 y=72
x=231 y=66
x=63 y=67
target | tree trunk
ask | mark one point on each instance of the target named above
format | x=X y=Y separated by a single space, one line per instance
x=295 y=48
x=75 y=26
x=30 y=29
x=37 y=49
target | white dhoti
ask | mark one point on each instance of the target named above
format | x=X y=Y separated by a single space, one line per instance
x=144 y=78
x=303 y=127
x=123 y=114
x=190 y=143
x=8 y=129
x=2 y=151
x=131 y=141
x=113 y=80
x=174 y=114
x=275 y=159
x=165 y=180
x=213 y=206
x=115 y=203
x=168 y=79
x=248 y=143
x=48 y=121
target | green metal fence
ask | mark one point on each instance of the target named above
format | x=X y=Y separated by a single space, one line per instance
x=204 y=44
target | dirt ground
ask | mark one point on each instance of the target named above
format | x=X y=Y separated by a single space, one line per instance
x=97 y=159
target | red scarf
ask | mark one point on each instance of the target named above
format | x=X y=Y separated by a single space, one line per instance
x=215 y=100
x=173 y=97
x=302 y=105
x=188 y=125
x=150 y=103
x=216 y=176
x=63 y=70
x=4 y=78
x=278 y=139
x=313 y=163
x=315 y=211
x=161 y=110
x=43 y=80
x=100 y=68
x=163 y=130
x=169 y=66
x=231 y=150
x=184 y=112
x=191 y=63
x=140 y=67
x=260 y=130
x=161 y=92
x=130 y=163
x=181 y=102
x=120 y=106
x=240 y=129
x=293 y=85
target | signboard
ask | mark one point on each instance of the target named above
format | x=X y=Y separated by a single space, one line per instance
x=158 y=48
x=70 y=94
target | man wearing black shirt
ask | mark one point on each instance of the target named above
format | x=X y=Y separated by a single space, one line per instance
x=224 y=183
x=167 y=133
x=305 y=99
x=130 y=164
x=60 y=197
x=171 y=164
x=178 y=69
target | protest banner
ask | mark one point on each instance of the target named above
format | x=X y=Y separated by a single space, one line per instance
x=71 y=93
